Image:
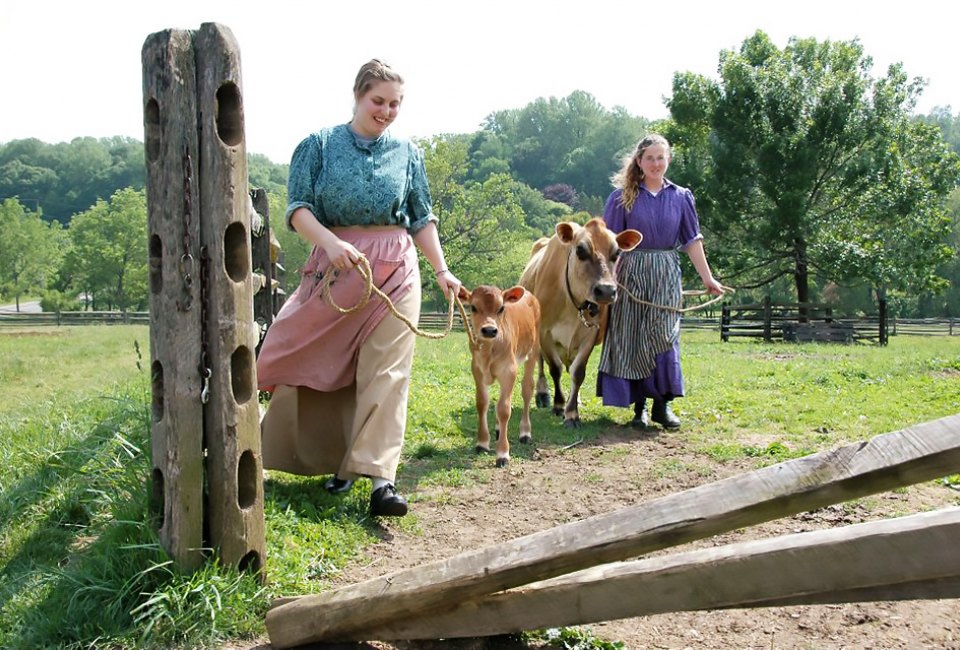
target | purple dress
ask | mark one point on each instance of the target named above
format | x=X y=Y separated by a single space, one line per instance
x=641 y=347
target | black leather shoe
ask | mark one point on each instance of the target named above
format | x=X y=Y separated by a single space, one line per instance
x=385 y=502
x=338 y=485
x=664 y=416
x=641 y=416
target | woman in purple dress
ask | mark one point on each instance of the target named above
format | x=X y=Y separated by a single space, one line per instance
x=641 y=349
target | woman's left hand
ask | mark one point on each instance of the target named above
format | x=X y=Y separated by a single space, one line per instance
x=714 y=287
x=449 y=283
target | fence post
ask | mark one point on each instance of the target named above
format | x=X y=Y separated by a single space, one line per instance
x=725 y=323
x=767 y=317
x=176 y=423
x=882 y=314
x=205 y=408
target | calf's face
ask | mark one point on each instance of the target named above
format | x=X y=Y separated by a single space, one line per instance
x=486 y=306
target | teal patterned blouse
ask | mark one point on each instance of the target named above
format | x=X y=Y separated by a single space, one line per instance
x=347 y=181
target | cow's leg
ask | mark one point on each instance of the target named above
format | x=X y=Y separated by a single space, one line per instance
x=578 y=371
x=507 y=381
x=543 y=395
x=483 y=404
x=556 y=374
x=526 y=391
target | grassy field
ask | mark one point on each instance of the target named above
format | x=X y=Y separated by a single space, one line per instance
x=80 y=565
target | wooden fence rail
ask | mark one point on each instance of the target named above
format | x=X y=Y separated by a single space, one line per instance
x=438 y=321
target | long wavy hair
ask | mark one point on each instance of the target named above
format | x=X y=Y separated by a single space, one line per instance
x=630 y=175
x=372 y=72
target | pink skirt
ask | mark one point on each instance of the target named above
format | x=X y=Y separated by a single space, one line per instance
x=312 y=344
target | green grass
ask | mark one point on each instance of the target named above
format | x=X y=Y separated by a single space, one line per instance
x=80 y=562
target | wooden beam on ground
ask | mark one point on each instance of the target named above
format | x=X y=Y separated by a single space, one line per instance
x=825 y=566
x=923 y=452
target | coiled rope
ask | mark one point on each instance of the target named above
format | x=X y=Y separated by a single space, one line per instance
x=363 y=268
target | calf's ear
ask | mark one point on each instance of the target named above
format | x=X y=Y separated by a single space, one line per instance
x=513 y=294
x=629 y=239
x=463 y=294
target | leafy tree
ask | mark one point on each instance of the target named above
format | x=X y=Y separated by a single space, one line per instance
x=949 y=125
x=800 y=149
x=107 y=258
x=572 y=140
x=562 y=193
x=29 y=251
x=482 y=226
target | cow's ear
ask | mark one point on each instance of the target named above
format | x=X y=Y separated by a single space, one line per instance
x=567 y=230
x=629 y=239
x=463 y=294
x=513 y=294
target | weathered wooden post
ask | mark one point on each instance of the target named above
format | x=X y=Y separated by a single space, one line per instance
x=173 y=221
x=205 y=431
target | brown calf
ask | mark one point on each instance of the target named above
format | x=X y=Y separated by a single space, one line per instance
x=505 y=326
x=573 y=276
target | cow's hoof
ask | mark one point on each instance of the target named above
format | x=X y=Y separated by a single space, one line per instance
x=502 y=462
x=572 y=423
x=543 y=400
x=480 y=449
x=558 y=410
x=526 y=439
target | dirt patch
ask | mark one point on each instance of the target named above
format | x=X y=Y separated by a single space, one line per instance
x=554 y=486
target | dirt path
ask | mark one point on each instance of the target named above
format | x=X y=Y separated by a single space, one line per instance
x=627 y=467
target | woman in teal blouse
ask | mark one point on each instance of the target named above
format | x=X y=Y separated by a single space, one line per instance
x=340 y=382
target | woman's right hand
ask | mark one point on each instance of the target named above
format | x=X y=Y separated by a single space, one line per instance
x=342 y=254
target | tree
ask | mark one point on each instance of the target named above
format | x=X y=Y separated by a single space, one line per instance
x=107 y=259
x=29 y=253
x=800 y=147
x=482 y=227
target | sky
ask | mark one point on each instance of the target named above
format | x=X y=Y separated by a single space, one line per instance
x=73 y=69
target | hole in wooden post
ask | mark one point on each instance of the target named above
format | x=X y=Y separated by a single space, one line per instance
x=156 y=496
x=250 y=563
x=236 y=252
x=241 y=374
x=247 y=477
x=151 y=122
x=156 y=264
x=229 y=114
x=156 y=378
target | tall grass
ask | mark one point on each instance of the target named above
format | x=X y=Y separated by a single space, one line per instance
x=80 y=562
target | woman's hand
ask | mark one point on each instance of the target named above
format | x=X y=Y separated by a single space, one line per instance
x=342 y=254
x=448 y=282
x=714 y=287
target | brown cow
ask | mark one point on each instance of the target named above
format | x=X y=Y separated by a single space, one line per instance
x=505 y=331
x=572 y=274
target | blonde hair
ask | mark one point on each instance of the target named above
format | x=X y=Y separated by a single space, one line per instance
x=373 y=72
x=630 y=175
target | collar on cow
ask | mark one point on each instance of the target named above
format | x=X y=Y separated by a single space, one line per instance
x=590 y=308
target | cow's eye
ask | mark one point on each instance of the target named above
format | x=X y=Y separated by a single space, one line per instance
x=500 y=311
x=473 y=310
x=615 y=255
x=582 y=252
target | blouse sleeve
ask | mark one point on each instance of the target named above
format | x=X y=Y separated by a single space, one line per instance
x=305 y=165
x=614 y=215
x=689 y=221
x=419 y=203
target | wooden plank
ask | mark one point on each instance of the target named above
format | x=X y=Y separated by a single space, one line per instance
x=176 y=429
x=231 y=416
x=924 y=452
x=825 y=566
